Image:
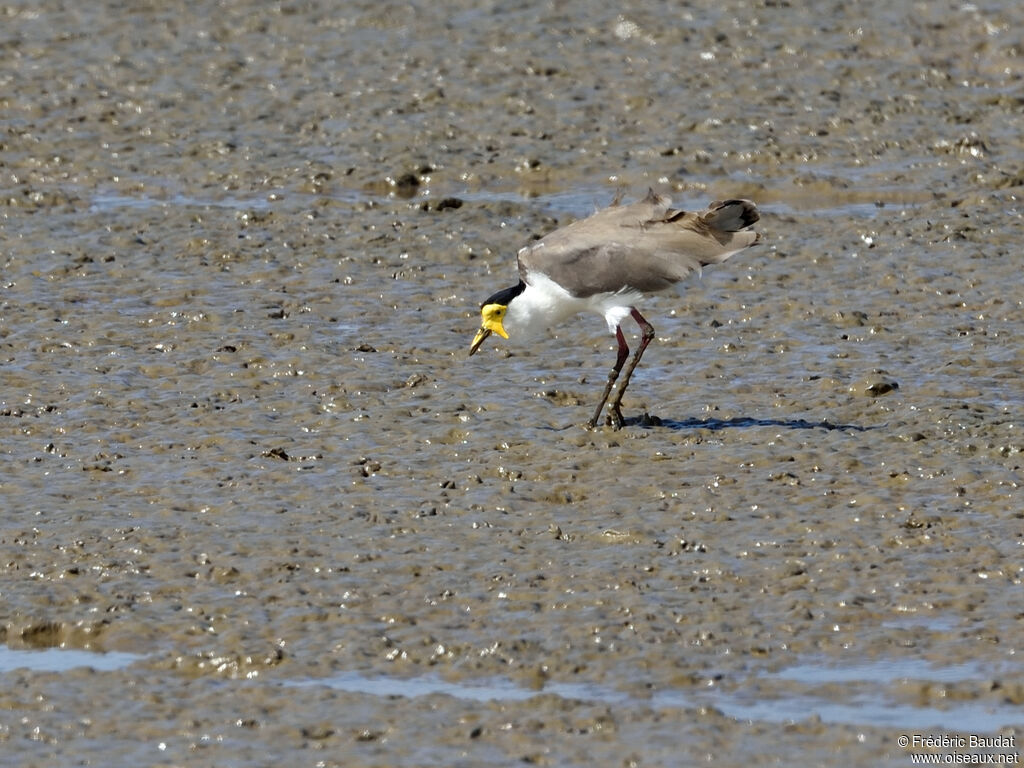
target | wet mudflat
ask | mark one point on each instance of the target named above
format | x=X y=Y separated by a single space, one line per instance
x=246 y=458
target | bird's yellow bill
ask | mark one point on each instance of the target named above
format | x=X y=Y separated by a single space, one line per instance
x=482 y=334
x=490 y=325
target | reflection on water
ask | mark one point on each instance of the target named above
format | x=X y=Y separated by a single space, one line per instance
x=860 y=708
x=112 y=201
x=937 y=623
x=886 y=671
x=972 y=716
x=577 y=202
x=489 y=689
x=62 y=660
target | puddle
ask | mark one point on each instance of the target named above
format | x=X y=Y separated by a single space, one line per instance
x=107 y=202
x=575 y=201
x=854 y=210
x=858 y=709
x=931 y=623
x=885 y=672
x=110 y=202
x=62 y=660
x=488 y=689
x=973 y=717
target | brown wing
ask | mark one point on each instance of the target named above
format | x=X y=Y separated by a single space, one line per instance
x=645 y=246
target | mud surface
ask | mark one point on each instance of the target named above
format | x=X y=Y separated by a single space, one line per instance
x=243 y=248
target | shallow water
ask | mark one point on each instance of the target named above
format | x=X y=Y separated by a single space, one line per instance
x=859 y=708
x=242 y=259
x=62 y=660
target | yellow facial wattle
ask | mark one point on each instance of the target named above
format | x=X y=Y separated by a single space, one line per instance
x=491 y=317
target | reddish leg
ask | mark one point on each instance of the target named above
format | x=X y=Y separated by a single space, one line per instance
x=612 y=376
x=646 y=335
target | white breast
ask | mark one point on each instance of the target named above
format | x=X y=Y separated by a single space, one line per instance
x=545 y=304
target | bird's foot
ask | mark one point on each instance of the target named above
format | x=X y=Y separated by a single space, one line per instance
x=615 y=420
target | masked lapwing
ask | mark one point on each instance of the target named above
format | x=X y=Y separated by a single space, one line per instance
x=608 y=263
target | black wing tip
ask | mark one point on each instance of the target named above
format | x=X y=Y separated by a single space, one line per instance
x=744 y=211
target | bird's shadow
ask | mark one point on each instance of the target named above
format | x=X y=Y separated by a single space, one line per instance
x=739 y=422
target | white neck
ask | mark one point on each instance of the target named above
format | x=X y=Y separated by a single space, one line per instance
x=542 y=304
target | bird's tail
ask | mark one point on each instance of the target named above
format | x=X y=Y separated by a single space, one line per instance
x=730 y=215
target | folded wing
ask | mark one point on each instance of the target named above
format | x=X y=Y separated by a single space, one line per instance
x=645 y=246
